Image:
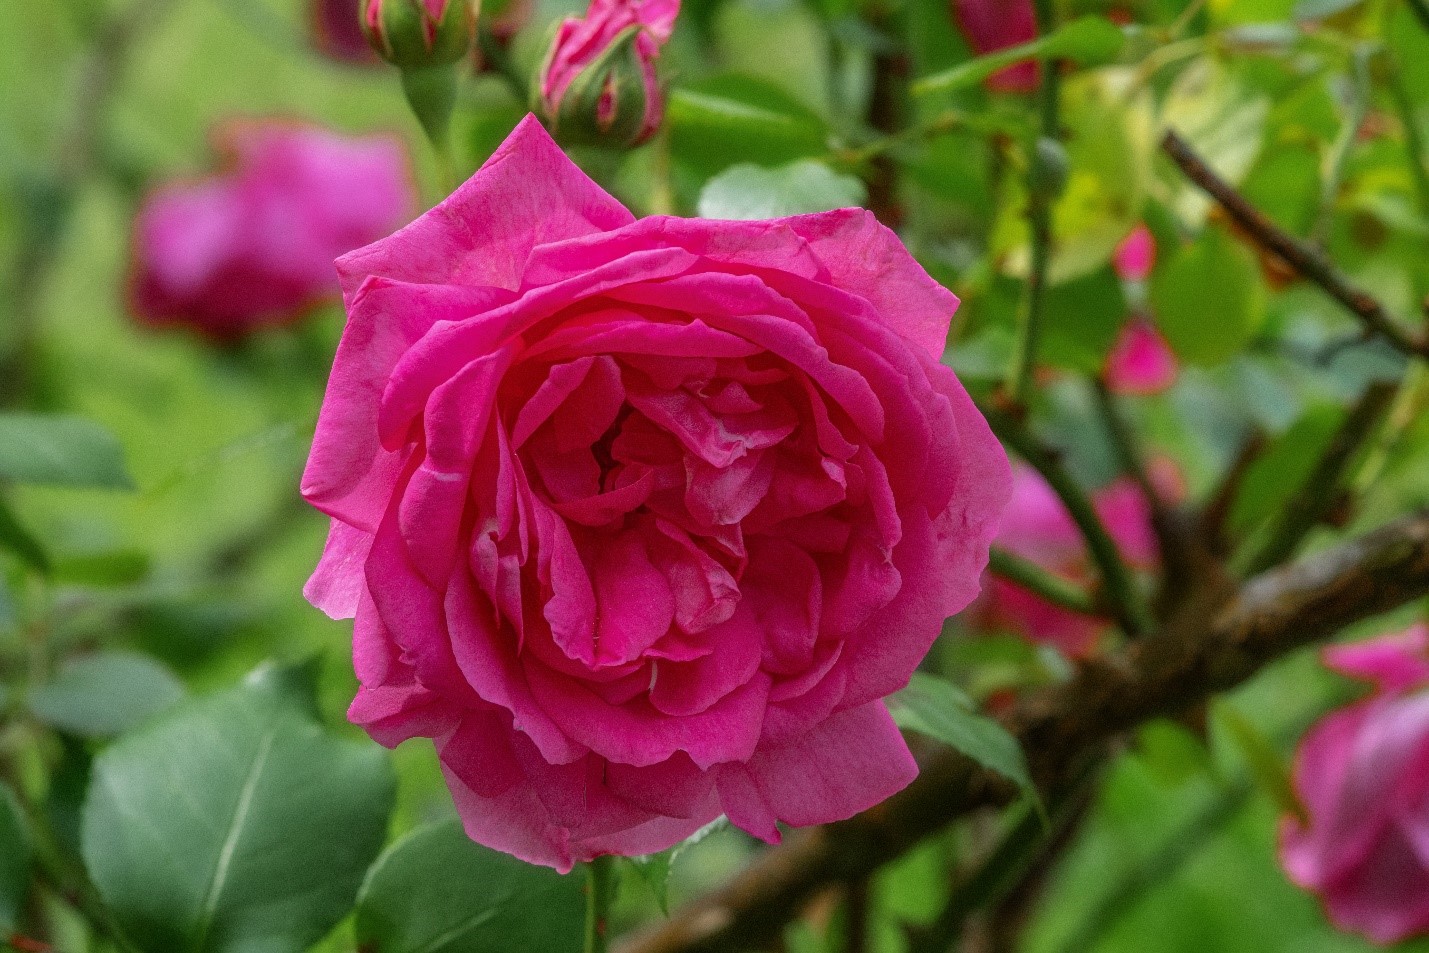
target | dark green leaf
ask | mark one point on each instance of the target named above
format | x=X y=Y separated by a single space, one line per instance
x=435 y=891
x=105 y=694
x=1208 y=298
x=236 y=823
x=1283 y=468
x=1082 y=319
x=1087 y=41
x=1171 y=753
x=749 y=191
x=113 y=567
x=19 y=541
x=294 y=682
x=935 y=708
x=731 y=119
x=14 y=859
x=655 y=869
x=60 y=451
x=1266 y=765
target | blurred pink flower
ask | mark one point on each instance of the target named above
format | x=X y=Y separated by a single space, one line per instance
x=992 y=25
x=1362 y=774
x=1135 y=255
x=337 y=31
x=1037 y=528
x=255 y=245
x=640 y=520
x=582 y=41
x=1140 y=362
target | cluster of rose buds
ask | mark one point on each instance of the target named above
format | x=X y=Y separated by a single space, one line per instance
x=597 y=85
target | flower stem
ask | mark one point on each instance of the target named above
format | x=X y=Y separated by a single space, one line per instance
x=431 y=93
x=1039 y=213
x=1119 y=593
x=600 y=891
x=1033 y=577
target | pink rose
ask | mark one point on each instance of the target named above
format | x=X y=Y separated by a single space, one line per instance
x=1037 y=528
x=1362 y=774
x=590 y=89
x=1140 y=362
x=254 y=245
x=641 y=520
x=992 y=25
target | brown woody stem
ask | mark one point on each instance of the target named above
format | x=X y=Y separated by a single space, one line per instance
x=1207 y=649
x=1304 y=259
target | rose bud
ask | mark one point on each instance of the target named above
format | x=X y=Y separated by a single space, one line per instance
x=640 y=521
x=598 y=84
x=419 y=34
x=1037 y=527
x=254 y=245
x=1135 y=255
x=1141 y=362
x=992 y=25
x=338 y=33
x=1362 y=777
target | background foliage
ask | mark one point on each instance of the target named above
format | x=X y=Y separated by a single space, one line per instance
x=159 y=668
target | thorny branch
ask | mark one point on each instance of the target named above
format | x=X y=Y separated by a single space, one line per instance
x=1219 y=639
x=1303 y=258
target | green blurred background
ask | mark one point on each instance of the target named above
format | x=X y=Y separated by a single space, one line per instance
x=201 y=566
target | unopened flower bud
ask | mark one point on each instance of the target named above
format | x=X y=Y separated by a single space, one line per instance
x=599 y=84
x=417 y=34
x=1050 y=167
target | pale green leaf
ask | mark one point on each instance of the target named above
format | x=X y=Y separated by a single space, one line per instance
x=60 y=451
x=749 y=191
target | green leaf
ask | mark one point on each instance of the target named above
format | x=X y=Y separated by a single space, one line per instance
x=1110 y=145
x=60 y=451
x=297 y=683
x=1081 y=321
x=1269 y=769
x=1208 y=298
x=933 y=707
x=1171 y=753
x=1086 y=41
x=236 y=823
x=17 y=539
x=110 y=567
x=720 y=122
x=105 y=694
x=749 y=191
x=14 y=859
x=1282 y=469
x=655 y=869
x=435 y=891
